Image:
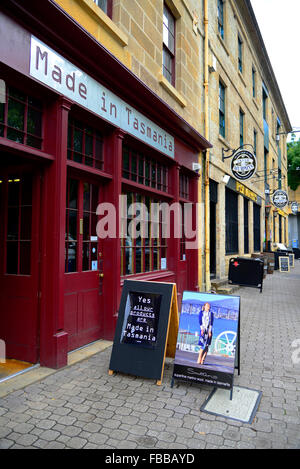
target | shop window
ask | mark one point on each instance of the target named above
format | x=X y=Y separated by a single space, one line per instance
x=169 y=45
x=105 y=5
x=184 y=186
x=231 y=217
x=81 y=249
x=143 y=249
x=256 y=227
x=85 y=145
x=19 y=221
x=139 y=168
x=21 y=119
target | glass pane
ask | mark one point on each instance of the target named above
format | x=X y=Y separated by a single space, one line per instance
x=72 y=232
x=15 y=116
x=141 y=170
x=35 y=103
x=86 y=196
x=2 y=108
x=15 y=135
x=34 y=122
x=25 y=233
x=25 y=253
x=71 y=257
x=95 y=192
x=12 y=258
x=86 y=256
x=147 y=260
x=17 y=94
x=86 y=226
x=98 y=154
x=78 y=137
x=13 y=191
x=73 y=193
x=26 y=184
x=1 y=130
x=33 y=142
x=13 y=223
x=89 y=145
x=129 y=261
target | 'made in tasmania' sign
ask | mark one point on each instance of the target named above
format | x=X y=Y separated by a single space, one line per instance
x=61 y=75
x=146 y=330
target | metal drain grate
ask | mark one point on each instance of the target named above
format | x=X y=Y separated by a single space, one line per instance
x=242 y=407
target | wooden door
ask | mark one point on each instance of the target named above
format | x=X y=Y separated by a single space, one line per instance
x=19 y=262
x=83 y=264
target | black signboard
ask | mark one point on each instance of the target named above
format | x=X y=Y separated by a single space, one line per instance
x=207 y=350
x=284 y=264
x=280 y=198
x=246 y=271
x=147 y=319
x=243 y=165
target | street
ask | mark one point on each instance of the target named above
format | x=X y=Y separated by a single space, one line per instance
x=81 y=406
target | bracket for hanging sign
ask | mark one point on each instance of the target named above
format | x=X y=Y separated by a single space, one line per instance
x=233 y=151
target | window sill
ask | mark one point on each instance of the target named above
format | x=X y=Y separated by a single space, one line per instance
x=171 y=90
x=222 y=41
x=148 y=276
x=106 y=22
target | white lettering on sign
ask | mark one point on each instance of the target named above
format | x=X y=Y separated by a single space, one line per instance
x=61 y=75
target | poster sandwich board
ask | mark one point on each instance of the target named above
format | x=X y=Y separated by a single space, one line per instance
x=207 y=350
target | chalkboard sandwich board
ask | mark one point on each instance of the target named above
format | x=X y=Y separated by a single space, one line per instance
x=284 y=264
x=146 y=330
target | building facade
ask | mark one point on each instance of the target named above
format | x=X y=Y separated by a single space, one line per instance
x=115 y=103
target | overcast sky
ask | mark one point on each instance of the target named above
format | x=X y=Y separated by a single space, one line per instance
x=279 y=24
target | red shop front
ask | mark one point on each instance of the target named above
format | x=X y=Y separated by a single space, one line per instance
x=76 y=136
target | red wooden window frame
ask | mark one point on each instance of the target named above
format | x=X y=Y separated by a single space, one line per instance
x=17 y=122
x=85 y=145
x=141 y=169
x=17 y=192
x=144 y=252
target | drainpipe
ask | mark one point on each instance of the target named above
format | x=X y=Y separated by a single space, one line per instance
x=206 y=176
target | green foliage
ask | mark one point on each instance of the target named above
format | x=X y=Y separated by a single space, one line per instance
x=293 y=154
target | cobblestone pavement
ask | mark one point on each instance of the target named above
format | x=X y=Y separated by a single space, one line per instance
x=81 y=406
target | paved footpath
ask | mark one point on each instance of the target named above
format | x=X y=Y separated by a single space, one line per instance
x=81 y=406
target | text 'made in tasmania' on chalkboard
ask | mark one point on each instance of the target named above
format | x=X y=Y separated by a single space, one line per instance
x=141 y=319
x=146 y=329
x=284 y=264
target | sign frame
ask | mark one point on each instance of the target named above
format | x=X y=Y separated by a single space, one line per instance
x=136 y=359
x=186 y=367
x=284 y=260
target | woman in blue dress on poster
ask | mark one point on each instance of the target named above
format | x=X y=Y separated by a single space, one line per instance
x=206 y=320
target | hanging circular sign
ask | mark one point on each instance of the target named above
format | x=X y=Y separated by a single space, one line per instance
x=294 y=207
x=280 y=198
x=243 y=165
